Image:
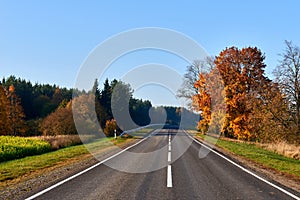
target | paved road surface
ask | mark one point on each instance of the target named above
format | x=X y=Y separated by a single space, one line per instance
x=187 y=177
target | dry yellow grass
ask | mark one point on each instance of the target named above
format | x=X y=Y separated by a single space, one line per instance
x=61 y=141
x=283 y=148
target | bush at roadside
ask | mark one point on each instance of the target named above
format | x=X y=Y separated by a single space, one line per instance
x=110 y=128
x=62 y=141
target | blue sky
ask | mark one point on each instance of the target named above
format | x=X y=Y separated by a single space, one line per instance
x=47 y=41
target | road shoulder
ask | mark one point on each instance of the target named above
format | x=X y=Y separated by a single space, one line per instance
x=286 y=180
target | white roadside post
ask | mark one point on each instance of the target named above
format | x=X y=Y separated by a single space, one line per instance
x=115 y=134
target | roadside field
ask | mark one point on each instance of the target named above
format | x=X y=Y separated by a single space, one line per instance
x=16 y=168
x=19 y=147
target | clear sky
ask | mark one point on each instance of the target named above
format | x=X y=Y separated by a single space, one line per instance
x=47 y=41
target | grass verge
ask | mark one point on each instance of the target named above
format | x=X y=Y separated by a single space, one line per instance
x=16 y=168
x=260 y=155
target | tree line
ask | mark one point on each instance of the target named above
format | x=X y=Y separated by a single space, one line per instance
x=236 y=99
x=43 y=109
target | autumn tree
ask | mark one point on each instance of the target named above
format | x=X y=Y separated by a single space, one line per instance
x=110 y=128
x=84 y=114
x=202 y=103
x=25 y=91
x=59 y=122
x=288 y=77
x=270 y=119
x=5 y=126
x=210 y=101
x=16 y=114
x=242 y=73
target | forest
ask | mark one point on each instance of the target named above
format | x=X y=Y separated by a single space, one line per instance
x=41 y=109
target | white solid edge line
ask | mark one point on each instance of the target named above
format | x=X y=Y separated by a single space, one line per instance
x=169 y=156
x=169 y=177
x=169 y=147
x=244 y=169
x=82 y=172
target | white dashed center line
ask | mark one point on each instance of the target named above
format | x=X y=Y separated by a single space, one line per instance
x=169 y=156
x=169 y=169
x=169 y=179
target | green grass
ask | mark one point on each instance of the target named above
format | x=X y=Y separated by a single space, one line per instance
x=262 y=156
x=16 y=168
x=19 y=147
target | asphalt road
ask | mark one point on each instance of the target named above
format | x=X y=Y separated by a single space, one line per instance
x=175 y=177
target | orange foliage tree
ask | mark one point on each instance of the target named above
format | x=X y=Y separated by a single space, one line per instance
x=242 y=73
x=270 y=121
x=11 y=113
x=60 y=122
x=202 y=103
x=16 y=114
x=209 y=99
x=110 y=127
x=5 y=126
